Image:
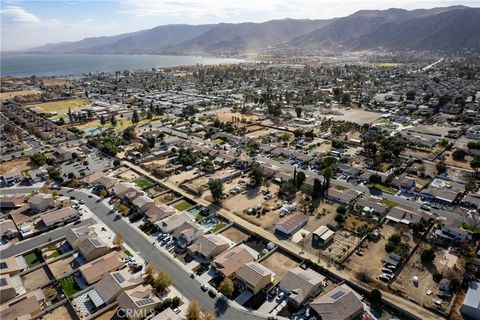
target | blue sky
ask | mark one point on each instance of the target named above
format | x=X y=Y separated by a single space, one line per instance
x=30 y=23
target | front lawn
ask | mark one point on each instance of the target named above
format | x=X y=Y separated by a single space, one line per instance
x=143 y=183
x=340 y=188
x=184 y=205
x=388 y=203
x=382 y=188
x=69 y=285
x=33 y=258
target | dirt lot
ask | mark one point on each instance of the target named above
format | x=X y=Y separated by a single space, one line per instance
x=325 y=146
x=155 y=163
x=280 y=263
x=179 y=178
x=13 y=94
x=324 y=214
x=61 y=267
x=419 y=154
x=19 y=164
x=199 y=185
x=54 y=82
x=373 y=253
x=129 y=175
x=354 y=115
x=235 y=234
x=266 y=221
x=35 y=279
x=261 y=133
x=110 y=314
x=424 y=273
x=58 y=313
x=343 y=242
x=465 y=164
x=253 y=197
x=165 y=198
x=227 y=116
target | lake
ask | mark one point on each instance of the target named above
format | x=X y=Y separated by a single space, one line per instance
x=25 y=65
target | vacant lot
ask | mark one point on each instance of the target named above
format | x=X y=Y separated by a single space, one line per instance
x=13 y=94
x=183 y=176
x=373 y=253
x=50 y=81
x=234 y=234
x=280 y=263
x=35 y=279
x=266 y=220
x=19 y=164
x=129 y=175
x=58 y=313
x=165 y=198
x=415 y=267
x=228 y=116
x=354 y=115
x=198 y=185
x=62 y=266
x=252 y=198
x=343 y=242
x=60 y=106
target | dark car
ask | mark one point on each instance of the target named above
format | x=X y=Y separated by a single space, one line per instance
x=212 y=293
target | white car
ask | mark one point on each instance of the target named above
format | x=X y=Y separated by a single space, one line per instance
x=177 y=310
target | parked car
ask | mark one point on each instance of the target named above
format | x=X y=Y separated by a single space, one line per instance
x=177 y=310
x=280 y=296
x=212 y=293
x=204 y=287
x=384 y=277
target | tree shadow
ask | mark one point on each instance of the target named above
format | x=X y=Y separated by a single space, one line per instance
x=221 y=306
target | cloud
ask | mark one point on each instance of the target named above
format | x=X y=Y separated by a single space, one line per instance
x=19 y=14
x=261 y=10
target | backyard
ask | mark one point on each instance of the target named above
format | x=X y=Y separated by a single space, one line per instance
x=33 y=258
x=182 y=205
x=143 y=183
x=69 y=285
x=280 y=263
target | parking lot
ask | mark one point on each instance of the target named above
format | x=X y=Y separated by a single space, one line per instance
x=96 y=162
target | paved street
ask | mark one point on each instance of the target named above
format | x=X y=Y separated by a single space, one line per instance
x=189 y=287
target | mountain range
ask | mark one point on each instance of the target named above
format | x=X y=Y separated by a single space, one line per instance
x=446 y=29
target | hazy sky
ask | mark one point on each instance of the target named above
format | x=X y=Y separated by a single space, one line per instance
x=30 y=23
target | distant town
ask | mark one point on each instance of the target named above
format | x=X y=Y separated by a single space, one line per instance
x=308 y=187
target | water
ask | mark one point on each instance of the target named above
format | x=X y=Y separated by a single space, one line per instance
x=25 y=65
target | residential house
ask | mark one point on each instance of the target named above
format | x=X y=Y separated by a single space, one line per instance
x=121 y=188
x=8 y=229
x=370 y=205
x=471 y=303
x=307 y=186
x=342 y=196
x=228 y=262
x=340 y=303
x=170 y=223
x=138 y=302
x=11 y=178
x=7 y=290
x=114 y=283
x=143 y=203
x=41 y=202
x=107 y=182
x=159 y=212
x=95 y=269
x=37 y=175
x=322 y=236
x=208 y=246
x=132 y=194
x=92 y=248
x=23 y=307
x=11 y=201
x=348 y=171
x=92 y=179
x=365 y=176
x=11 y=265
x=471 y=201
x=59 y=216
x=255 y=276
x=451 y=232
x=290 y=224
x=404 y=183
x=76 y=235
x=405 y=216
x=187 y=233
x=301 y=284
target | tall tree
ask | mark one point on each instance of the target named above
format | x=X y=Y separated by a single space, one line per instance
x=193 y=311
x=113 y=121
x=135 y=117
x=216 y=188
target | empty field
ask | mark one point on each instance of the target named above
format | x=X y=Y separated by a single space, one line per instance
x=61 y=106
x=19 y=164
x=280 y=263
x=13 y=94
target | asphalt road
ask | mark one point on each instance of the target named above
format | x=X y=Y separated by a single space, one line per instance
x=190 y=288
x=40 y=240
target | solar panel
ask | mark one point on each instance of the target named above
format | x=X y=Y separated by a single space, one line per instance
x=119 y=277
x=144 y=301
x=3 y=282
x=3 y=265
x=337 y=295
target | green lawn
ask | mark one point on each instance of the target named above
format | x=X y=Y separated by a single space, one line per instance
x=128 y=253
x=218 y=141
x=143 y=183
x=33 y=259
x=388 y=203
x=469 y=227
x=218 y=226
x=69 y=285
x=183 y=205
x=340 y=188
x=383 y=188
x=279 y=159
